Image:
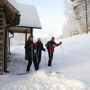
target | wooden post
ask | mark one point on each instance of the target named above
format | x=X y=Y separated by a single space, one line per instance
x=25 y=44
x=25 y=37
x=5 y=51
x=9 y=46
x=31 y=31
x=2 y=36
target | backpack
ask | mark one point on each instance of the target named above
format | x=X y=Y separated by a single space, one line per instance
x=49 y=44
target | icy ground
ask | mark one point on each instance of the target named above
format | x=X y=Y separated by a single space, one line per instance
x=70 y=70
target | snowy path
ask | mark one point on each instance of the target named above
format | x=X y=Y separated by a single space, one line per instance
x=72 y=60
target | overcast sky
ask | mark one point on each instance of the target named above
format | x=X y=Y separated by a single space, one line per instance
x=51 y=13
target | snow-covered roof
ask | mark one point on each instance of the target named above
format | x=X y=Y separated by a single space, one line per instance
x=29 y=16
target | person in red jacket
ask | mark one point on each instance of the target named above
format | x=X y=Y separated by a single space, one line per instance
x=50 y=46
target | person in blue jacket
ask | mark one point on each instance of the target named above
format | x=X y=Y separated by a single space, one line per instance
x=40 y=48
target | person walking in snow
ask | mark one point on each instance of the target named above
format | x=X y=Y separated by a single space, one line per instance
x=30 y=48
x=50 y=47
x=39 y=50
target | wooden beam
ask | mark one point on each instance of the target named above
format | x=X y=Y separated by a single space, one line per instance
x=20 y=30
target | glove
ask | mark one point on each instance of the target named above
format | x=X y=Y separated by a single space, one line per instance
x=60 y=43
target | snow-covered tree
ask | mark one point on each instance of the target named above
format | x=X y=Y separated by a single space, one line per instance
x=70 y=26
x=81 y=9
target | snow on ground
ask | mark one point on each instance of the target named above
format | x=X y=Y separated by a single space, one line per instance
x=77 y=58
x=40 y=81
x=70 y=70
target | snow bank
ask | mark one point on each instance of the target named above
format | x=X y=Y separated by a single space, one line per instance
x=40 y=81
x=74 y=58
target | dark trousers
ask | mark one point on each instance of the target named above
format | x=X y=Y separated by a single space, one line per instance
x=50 y=59
x=30 y=63
x=39 y=57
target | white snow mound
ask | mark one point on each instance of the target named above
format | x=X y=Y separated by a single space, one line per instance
x=40 y=81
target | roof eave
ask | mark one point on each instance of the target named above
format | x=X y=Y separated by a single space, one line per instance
x=30 y=27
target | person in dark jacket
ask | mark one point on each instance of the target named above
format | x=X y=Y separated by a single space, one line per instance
x=50 y=46
x=30 y=48
x=39 y=50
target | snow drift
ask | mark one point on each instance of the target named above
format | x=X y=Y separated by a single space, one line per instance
x=40 y=81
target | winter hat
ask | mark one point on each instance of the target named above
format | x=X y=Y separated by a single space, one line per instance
x=53 y=37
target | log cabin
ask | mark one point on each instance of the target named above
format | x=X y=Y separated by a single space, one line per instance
x=9 y=16
x=13 y=20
